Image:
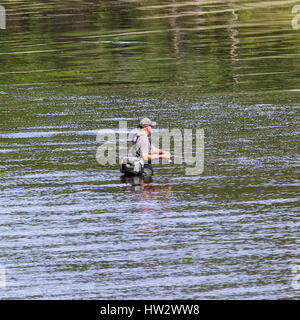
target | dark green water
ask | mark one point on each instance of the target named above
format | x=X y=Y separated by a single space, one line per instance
x=71 y=229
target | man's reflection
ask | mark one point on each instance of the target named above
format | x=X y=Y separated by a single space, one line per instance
x=145 y=187
x=144 y=191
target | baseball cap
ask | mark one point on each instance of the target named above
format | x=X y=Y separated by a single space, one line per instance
x=147 y=122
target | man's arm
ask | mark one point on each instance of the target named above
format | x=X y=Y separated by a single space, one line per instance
x=147 y=156
x=159 y=154
x=156 y=150
x=160 y=151
x=150 y=157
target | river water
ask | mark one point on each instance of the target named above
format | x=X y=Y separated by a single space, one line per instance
x=72 y=229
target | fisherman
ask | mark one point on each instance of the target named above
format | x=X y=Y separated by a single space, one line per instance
x=142 y=148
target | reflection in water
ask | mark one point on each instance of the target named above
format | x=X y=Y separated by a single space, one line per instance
x=234 y=36
x=146 y=188
x=69 y=231
x=187 y=43
x=149 y=199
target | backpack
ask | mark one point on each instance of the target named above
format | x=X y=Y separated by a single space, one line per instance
x=132 y=165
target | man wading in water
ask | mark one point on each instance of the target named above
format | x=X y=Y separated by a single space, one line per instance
x=142 y=147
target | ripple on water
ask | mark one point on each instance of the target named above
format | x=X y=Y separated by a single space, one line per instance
x=72 y=229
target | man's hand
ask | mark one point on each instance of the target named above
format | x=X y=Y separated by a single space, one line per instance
x=166 y=155
x=161 y=155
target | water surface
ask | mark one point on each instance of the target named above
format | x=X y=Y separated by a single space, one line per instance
x=71 y=229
